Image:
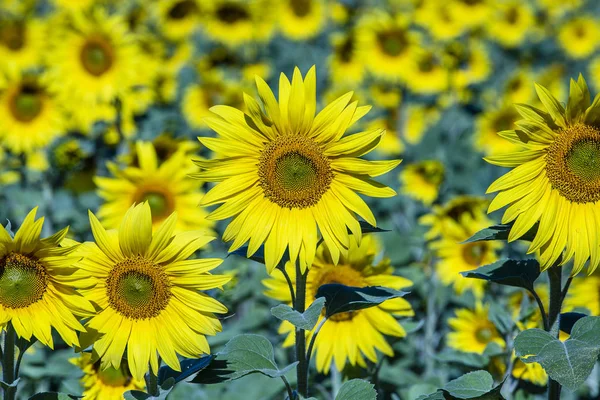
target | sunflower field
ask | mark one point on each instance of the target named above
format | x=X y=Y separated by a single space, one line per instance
x=299 y=199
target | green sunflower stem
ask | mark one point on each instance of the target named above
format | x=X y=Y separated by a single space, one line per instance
x=300 y=305
x=556 y=298
x=8 y=363
x=152 y=383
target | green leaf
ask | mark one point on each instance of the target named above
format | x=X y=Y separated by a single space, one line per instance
x=439 y=395
x=517 y=273
x=567 y=320
x=499 y=232
x=306 y=320
x=365 y=227
x=188 y=368
x=569 y=362
x=54 y=396
x=473 y=385
x=357 y=389
x=341 y=298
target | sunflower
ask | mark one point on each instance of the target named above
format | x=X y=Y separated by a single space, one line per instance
x=584 y=293
x=391 y=143
x=108 y=384
x=471 y=13
x=237 y=22
x=387 y=45
x=556 y=178
x=286 y=172
x=30 y=113
x=345 y=65
x=427 y=73
x=489 y=123
x=579 y=37
x=439 y=20
x=531 y=372
x=472 y=330
x=448 y=217
x=512 y=23
x=421 y=181
x=473 y=65
x=148 y=292
x=456 y=257
x=21 y=42
x=301 y=19
x=38 y=284
x=165 y=186
x=177 y=19
x=197 y=100
x=356 y=335
x=517 y=89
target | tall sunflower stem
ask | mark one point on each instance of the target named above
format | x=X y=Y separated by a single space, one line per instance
x=152 y=383
x=556 y=298
x=8 y=362
x=312 y=343
x=300 y=305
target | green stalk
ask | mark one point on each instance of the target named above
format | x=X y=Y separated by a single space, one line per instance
x=555 y=277
x=152 y=383
x=300 y=305
x=8 y=362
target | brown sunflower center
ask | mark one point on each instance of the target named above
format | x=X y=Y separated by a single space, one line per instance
x=27 y=102
x=573 y=164
x=23 y=280
x=484 y=335
x=294 y=172
x=137 y=288
x=183 y=9
x=113 y=377
x=346 y=50
x=474 y=253
x=230 y=13
x=97 y=56
x=512 y=15
x=301 y=7
x=161 y=201
x=343 y=275
x=12 y=34
x=393 y=43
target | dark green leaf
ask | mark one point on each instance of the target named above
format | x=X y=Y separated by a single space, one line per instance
x=188 y=368
x=357 y=389
x=517 y=273
x=306 y=320
x=499 y=232
x=341 y=298
x=365 y=227
x=567 y=320
x=259 y=256
x=473 y=385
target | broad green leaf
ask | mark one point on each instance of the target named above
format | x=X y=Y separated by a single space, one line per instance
x=473 y=385
x=54 y=396
x=341 y=298
x=357 y=389
x=500 y=232
x=306 y=320
x=188 y=368
x=569 y=362
x=439 y=395
x=517 y=273
x=163 y=391
x=420 y=390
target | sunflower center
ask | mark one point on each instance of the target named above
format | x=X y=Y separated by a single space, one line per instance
x=512 y=15
x=474 y=253
x=97 y=56
x=392 y=43
x=23 y=280
x=300 y=7
x=345 y=51
x=484 y=335
x=573 y=164
x=113 y=377
x=182 y=9
x=160 y=201
x=137 y=288
x=504 y=121
x=12 y=35
x=232 y=13
x=426 y=63
x=343 y=275
x=26 y=103
x=293 y=172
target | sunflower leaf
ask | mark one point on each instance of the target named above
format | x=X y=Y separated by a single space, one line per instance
x=368 y=228
x=569 y=362
x=357 y=389
x=306 y=320
x=476 y=385
x=188 y=368
x=567 y=320
x=516 y=273
x=340 y=298
x=499 y=232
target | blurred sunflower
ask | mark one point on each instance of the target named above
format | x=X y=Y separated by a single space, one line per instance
x=387 y=45
x=584 y=293
x=518 y=87
x=531 y=372
x=456 y=257
x=344 y=64
x=448 y=217
x=108 y=384
x=38 y=284
x=512 y=22
x=236 y=22
x=196 y=102
x=421 y=181
x=165 y=186
x=177 y=19
x=149 y=293
x=390 y=144
x=301 y=19
x=555 y=179
x=22 y=42
x=30 y=113
x=282 y=172
x=427 y=74
x=471 y=64
x=489 y=123
x=471 y=13
x=579 y=37
x=439 y=20
x=472 y=330
x=350 y=336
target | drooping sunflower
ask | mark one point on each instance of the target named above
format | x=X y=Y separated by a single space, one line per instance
x=355 y=335
x=149 y=292
x=285 y=172
x=449 y=217
x=512 y=23
x=165 y=186
x=489 y=123
x=422 y=180
x=179 y=18
x=38 y=284
x=30 y=113
x=472 y=330
x=21 y=42
x=579 y=37
x=108 y=384
x=301 y=19
x=555 y=178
